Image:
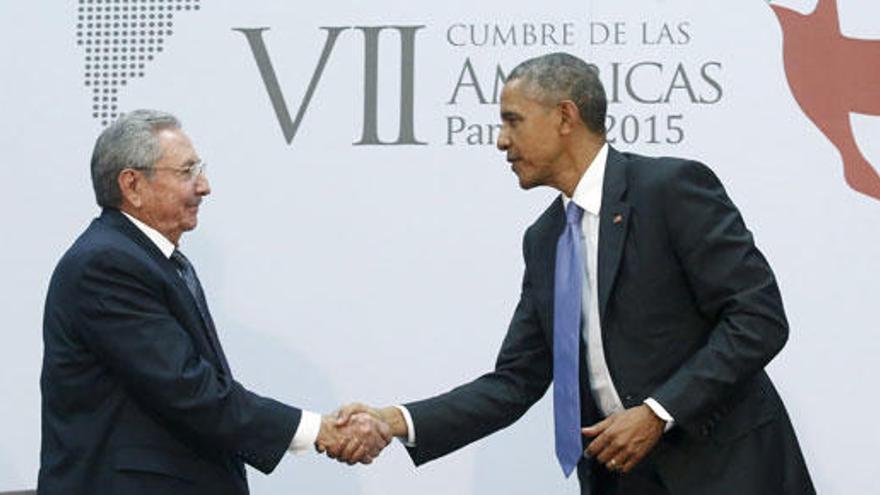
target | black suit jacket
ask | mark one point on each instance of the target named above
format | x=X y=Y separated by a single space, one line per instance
x=137 y=397
x=690 y=315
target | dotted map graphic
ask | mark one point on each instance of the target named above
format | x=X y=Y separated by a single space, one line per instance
x=121 y=38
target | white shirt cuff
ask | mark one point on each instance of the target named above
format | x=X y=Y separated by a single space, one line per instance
x=410 y=428
x=306 y=433
x=661 y=413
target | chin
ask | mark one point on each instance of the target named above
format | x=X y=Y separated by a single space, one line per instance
x=190 y=224
x=526 y=184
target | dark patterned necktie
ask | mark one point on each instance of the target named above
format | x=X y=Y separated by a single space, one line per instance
x=188 y=274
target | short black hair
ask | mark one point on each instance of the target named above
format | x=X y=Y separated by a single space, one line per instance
x=562 y=76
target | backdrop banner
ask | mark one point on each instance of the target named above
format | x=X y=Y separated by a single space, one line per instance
x=363 y=237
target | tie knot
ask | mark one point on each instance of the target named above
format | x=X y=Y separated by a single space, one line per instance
x=573 y=213
x=180 y=260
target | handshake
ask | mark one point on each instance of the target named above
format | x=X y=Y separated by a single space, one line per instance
x=357 y=433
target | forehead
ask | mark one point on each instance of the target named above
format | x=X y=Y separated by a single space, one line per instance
x=518 y=98
x=512 y=92
x=175 y=144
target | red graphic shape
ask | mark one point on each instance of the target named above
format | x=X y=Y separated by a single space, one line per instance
x=830 y=76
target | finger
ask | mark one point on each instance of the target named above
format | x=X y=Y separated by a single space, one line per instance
x=614 y=466
x=633 y=460
x=597 y=428
x=374 y=448
x=353 y=447
x=358 y=455
x=598 y=444
x=618 y=462
x=336 y=450
x=611 y=451
x=345 y=412
x=351 y=410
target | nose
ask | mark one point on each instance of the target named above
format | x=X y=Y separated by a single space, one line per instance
x=503 y=141
x=203 y=187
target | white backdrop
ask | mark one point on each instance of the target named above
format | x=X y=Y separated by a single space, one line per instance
x=386 y=273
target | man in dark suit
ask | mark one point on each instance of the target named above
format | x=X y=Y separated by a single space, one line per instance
x=644 y=301
x=138 y=397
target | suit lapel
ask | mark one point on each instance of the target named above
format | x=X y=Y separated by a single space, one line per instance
x=117 y=220
x=550 y=230
x=613 y=226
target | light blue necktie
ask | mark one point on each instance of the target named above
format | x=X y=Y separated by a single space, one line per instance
x=567 y=293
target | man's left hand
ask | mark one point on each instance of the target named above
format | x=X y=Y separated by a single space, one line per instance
x=623 y=439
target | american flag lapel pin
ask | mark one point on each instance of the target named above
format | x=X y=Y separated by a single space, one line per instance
x=617 y=219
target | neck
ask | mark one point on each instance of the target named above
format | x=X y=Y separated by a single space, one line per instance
x=134 y=212
x=576 y=160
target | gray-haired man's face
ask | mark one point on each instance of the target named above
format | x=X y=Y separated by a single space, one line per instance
x=170 y=198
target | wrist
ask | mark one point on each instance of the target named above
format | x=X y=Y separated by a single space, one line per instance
x=394 y=419
x=327 y=423
x=660 y=422
x=660 y=412
x=321 y=439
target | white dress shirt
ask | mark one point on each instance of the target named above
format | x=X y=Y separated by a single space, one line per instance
x=588 y=195
x=309 y=423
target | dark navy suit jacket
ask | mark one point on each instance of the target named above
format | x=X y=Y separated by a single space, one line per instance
x=690 y=315
x=137 y=397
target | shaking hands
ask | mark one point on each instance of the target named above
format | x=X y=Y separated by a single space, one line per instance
x=357 y=433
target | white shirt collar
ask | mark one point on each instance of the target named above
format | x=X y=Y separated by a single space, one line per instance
x=161 y=242
x=588 y=193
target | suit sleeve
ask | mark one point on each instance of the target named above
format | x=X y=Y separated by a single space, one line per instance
x=126 y=321
x=523 y=371
x=734 y=288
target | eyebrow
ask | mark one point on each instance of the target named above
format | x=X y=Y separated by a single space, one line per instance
x=190 y=163
x=508 y=115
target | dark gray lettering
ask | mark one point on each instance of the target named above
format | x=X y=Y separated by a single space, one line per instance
x=289 y=127
x=406 y=131
x=712 y=82
x=467 y=71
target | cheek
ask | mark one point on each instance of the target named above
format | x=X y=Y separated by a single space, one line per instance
x=528 y=149
x=177 y=204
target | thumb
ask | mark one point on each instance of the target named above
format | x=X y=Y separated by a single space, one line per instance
x=347 y=411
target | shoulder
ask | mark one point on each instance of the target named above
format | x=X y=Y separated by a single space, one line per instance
x=664 y=177
x=662 y=169
x=104 y=249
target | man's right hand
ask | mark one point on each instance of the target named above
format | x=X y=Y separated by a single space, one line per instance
x=391 y=416
x=360 y=439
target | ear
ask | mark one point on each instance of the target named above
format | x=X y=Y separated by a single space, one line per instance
x=129 y=181
x=570 y=117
